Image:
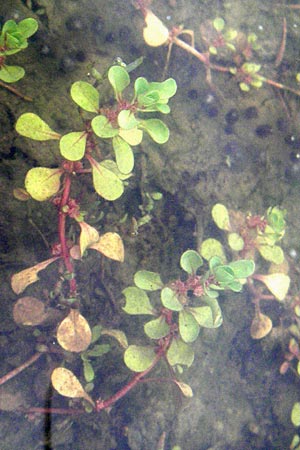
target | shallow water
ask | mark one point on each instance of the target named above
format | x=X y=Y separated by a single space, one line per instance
x=226 y=146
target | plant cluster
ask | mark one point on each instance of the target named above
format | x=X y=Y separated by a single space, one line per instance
x=250 y=236
x=226 y=50
x=13 y=39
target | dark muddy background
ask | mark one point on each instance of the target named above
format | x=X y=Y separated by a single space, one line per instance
x=240 y=399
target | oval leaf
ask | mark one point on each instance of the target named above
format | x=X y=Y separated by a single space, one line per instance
x=32 y=126
x=157 y=328
x=220 y=216
x=157 y=129
x=132 y=137
x=170 y=300
x=186 y=390
x=29 y=311
x=118 y=78
x=110 y=245
x=124 y=155
x=205 y=318
x=11 y=74
x=188 y=326
x=180 y=353
x=210 y=248
x=72 y=145
x=277 y=283
x=103 y=128
x=150 y=281
x=137 y=301
x=85 y=95
x=74 y=333
x=119 y=335
x=295 y=415
x=106 y=183
x=261 y=326
x=42 y=183
x=190 y=261
x=68 y=385
x=139 y=358
x=155 y=33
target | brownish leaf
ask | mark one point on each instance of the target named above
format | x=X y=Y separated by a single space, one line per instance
x=29 y=311
x=68 y=385
x=74 y=333
x=110 y=245
x=261 y=326
x=20 y=280
x=88 y=236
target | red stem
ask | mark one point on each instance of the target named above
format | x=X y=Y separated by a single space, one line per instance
x=62 y=232
x=102 y=404
x=19 y=369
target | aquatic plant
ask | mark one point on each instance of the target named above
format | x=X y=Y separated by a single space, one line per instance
x=13 y=39
x=247 y=237
x=222 y=44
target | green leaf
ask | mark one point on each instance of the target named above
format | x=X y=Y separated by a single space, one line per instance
x=124 y=155
x=138 y=358
x=42 y=183
x=118 y=78
x=295 y=414
x=190 y=261
x=103 y=128
x=158 y=131
x=98 y=350
x=150 y=281
x=157 y=328
x=32 y=126
x=235 y=242
x=141 y=85
x=88 y=371
x=219 y=24
x=106 y=183
x=127 y=120
x=224 y=274
x=211 y=247
x=72 y=145
x=242 y=268
x=85 y=95
x=220 y=216
x=96 y=333
x=166 y=89
x=109 y=164
x=28 y=27
x=188 y=326
x=137 y=301
x=206 y=317
x=170 y=300
x=11 y=74
x=272 y=253
x=180 y=353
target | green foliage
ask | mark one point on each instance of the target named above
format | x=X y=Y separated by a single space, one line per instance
x=120 y=123
x=186 y=306
x=13 y=39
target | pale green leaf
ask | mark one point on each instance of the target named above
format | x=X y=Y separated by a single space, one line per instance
x=137 y=301
x=138 y=358
x=42 y=183
x=170 y=300
x=150 y=281
x=157 y=328
x=220 y=216
x=11 y=74
x=188 y=326
x=295 y=415
x=190 y=261
x=85 y=95
x=32 y=126
x=180 y=353
x=72 y=145
x=106 y=183
x=124 y=155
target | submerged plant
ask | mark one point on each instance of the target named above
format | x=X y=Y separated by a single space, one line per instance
x=247 y=237
x=13 y=39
